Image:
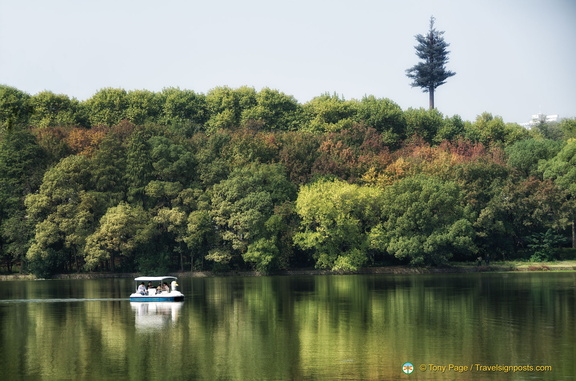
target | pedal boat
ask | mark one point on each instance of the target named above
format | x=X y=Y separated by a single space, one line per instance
x=154 y=294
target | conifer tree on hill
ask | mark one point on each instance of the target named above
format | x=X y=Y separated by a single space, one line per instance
x=431 y=71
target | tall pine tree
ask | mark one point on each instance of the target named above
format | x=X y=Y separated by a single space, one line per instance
x=431 y=72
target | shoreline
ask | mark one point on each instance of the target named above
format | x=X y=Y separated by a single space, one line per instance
x=396 y=270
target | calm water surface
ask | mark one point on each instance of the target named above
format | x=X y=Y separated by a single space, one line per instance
x=355 y=327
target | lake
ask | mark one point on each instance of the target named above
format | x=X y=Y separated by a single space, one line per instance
x=504 y=326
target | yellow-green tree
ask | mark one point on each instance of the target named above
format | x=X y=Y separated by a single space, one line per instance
x=53 y=110
x=63 y=215
x=337 y=218
x=121 y=230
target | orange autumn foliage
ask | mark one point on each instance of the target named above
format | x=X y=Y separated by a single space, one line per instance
x=84 y=141
x=419 y=157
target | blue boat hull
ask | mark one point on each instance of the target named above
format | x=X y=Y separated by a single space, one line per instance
x=157 y=298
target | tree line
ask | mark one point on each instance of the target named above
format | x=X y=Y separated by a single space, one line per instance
x=246 y=179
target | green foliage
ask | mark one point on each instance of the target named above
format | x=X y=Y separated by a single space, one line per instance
x=14 y=107
x=431 y=71
x=52 y=110
x=199 y=235
x=562 y=170
x=525 y=155
x=514 y=132
x=568 y=127
x=423 y=123
x=109 y=167
x=336 y=220
x=142 y=106
x=547 y=130
x=171 y=161
x=451 y=129
x=220 y=258
x=543 y=245
x=212 y=167
x=385 y=116
x=248 y=146
x=183 y=108
x=528 y=206
x=178 y=180
x=21 y=166
x=263 y=253
x=138 y=167
x=63 y=214
x=163 y=192
x=330 y=113
x=243 y=203
x=487 y=129
x=424 y=220
x=107 y=107
x=45 y=264
x=61 y=184
x=119 y=233
x=16 y=232
x=226 y=106
x=562 y=167
x=482 y=180
x=274 y=111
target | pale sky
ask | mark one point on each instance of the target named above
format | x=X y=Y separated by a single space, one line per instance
x=512 y=58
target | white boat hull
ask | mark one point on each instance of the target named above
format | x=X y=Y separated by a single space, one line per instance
x=162 y=293
x=173 y=296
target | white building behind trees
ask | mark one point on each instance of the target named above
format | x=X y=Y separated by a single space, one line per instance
x=541 y=118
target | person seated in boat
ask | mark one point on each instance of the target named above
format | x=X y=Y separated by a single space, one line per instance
x=165 y=287
x=142 y=289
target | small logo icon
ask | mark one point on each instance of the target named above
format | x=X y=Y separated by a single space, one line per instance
x=407 y=368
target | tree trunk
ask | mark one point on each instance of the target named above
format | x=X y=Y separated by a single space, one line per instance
x=431 y=92
x=112 y=260
x=76 y=259
x=573 y=235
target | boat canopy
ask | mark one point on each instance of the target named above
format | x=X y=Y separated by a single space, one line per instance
x=153 y=278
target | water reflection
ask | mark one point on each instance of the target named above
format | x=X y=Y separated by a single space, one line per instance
x=322 y=327
x=155 y=315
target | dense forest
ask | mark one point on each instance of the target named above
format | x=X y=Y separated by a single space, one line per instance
x=244 y=179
